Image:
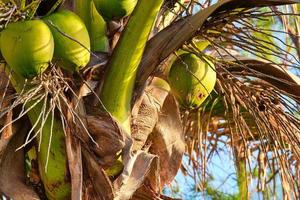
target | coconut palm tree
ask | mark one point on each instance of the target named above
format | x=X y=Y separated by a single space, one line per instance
x=115 y=129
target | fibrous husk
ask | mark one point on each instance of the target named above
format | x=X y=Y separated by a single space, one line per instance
x=157 y=116
x=158 y=125
x=145 y=114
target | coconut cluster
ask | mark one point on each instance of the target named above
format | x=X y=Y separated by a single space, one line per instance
x=29 y=46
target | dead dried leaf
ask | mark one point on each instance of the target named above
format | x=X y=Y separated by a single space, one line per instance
x=142 y=168
x=12 y=171
x=101 y=184
x=167 y=140
x=73 y=148
x=145 y=193
x=108 y=135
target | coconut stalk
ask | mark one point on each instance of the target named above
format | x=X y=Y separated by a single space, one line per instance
x=95 y=24
x=117 y=89
x=53 y=164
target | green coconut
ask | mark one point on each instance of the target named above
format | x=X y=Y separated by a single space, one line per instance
x=27 y=47
x=71 y=38
x=115 y=9
x=191 y=80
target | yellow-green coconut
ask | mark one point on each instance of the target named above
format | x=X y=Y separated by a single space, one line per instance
x=71 y=38
x=27 y=47
x=115 y=9
x=191 y=80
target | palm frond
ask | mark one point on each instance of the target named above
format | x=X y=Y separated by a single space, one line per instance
x=255 y=111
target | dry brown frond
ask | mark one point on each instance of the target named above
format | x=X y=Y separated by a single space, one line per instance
x=253 y=114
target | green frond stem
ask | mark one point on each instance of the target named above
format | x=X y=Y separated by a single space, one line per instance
x=117 y=89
